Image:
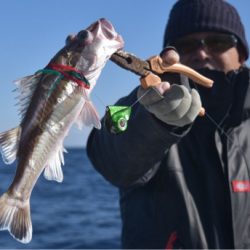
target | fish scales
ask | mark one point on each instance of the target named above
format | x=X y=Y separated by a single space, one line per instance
x=43 y=139
x=50 y=102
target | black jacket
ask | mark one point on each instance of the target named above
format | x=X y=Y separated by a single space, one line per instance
x=183 y=187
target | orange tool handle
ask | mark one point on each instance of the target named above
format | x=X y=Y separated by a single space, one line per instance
x=158 y=66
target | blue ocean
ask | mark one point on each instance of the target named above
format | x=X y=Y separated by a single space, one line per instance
x=81 y=212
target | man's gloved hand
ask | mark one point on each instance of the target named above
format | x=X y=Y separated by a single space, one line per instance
x=176 y=104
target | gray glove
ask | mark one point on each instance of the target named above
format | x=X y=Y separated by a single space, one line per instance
x=175 y=106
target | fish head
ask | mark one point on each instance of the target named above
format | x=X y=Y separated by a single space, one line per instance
x=90 y=48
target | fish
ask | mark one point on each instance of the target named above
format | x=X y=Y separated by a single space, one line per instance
x=51 y=101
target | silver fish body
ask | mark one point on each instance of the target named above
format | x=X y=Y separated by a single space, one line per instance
x=50 y=104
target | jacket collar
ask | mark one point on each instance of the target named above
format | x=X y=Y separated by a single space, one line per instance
x=240 y=110
x=229 y=99
x=247 y=97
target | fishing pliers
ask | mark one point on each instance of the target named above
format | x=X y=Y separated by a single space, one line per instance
x=153 y=70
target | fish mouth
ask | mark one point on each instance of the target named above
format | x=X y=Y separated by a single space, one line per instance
x=107 y=29
x=102 y=29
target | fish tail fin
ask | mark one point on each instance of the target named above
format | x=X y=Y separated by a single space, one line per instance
x=15 y=217
x=9 y=142
x=88 y=116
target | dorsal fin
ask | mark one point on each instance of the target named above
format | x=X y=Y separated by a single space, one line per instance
x=26 y=87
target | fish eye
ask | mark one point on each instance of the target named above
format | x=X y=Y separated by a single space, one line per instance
x=69 y=39
x=83 y=34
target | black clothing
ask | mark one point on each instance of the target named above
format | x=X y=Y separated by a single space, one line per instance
x=183 y=187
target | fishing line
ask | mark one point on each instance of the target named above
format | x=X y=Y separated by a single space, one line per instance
x=116 y=116
x=116 y=127
x=228 y=137
x=211 y=119
x=222 y=131
x=99 y=99
x=218 y=125
x=138 y=99
x=132 y=105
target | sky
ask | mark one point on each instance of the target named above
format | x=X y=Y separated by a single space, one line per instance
x=33 y=31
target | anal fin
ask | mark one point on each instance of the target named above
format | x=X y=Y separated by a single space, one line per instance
x=53 y=170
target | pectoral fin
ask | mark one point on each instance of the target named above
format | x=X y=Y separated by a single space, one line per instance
x=88 y=116
x=9 y=142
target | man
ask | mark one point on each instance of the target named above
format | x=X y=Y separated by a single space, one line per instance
x=184 y=179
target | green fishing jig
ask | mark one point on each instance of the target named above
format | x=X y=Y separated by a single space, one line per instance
x=116 y=118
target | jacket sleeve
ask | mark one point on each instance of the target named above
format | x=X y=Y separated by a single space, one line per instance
x=125 y=158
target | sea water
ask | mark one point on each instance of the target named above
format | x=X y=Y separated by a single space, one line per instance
x=81 y=212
